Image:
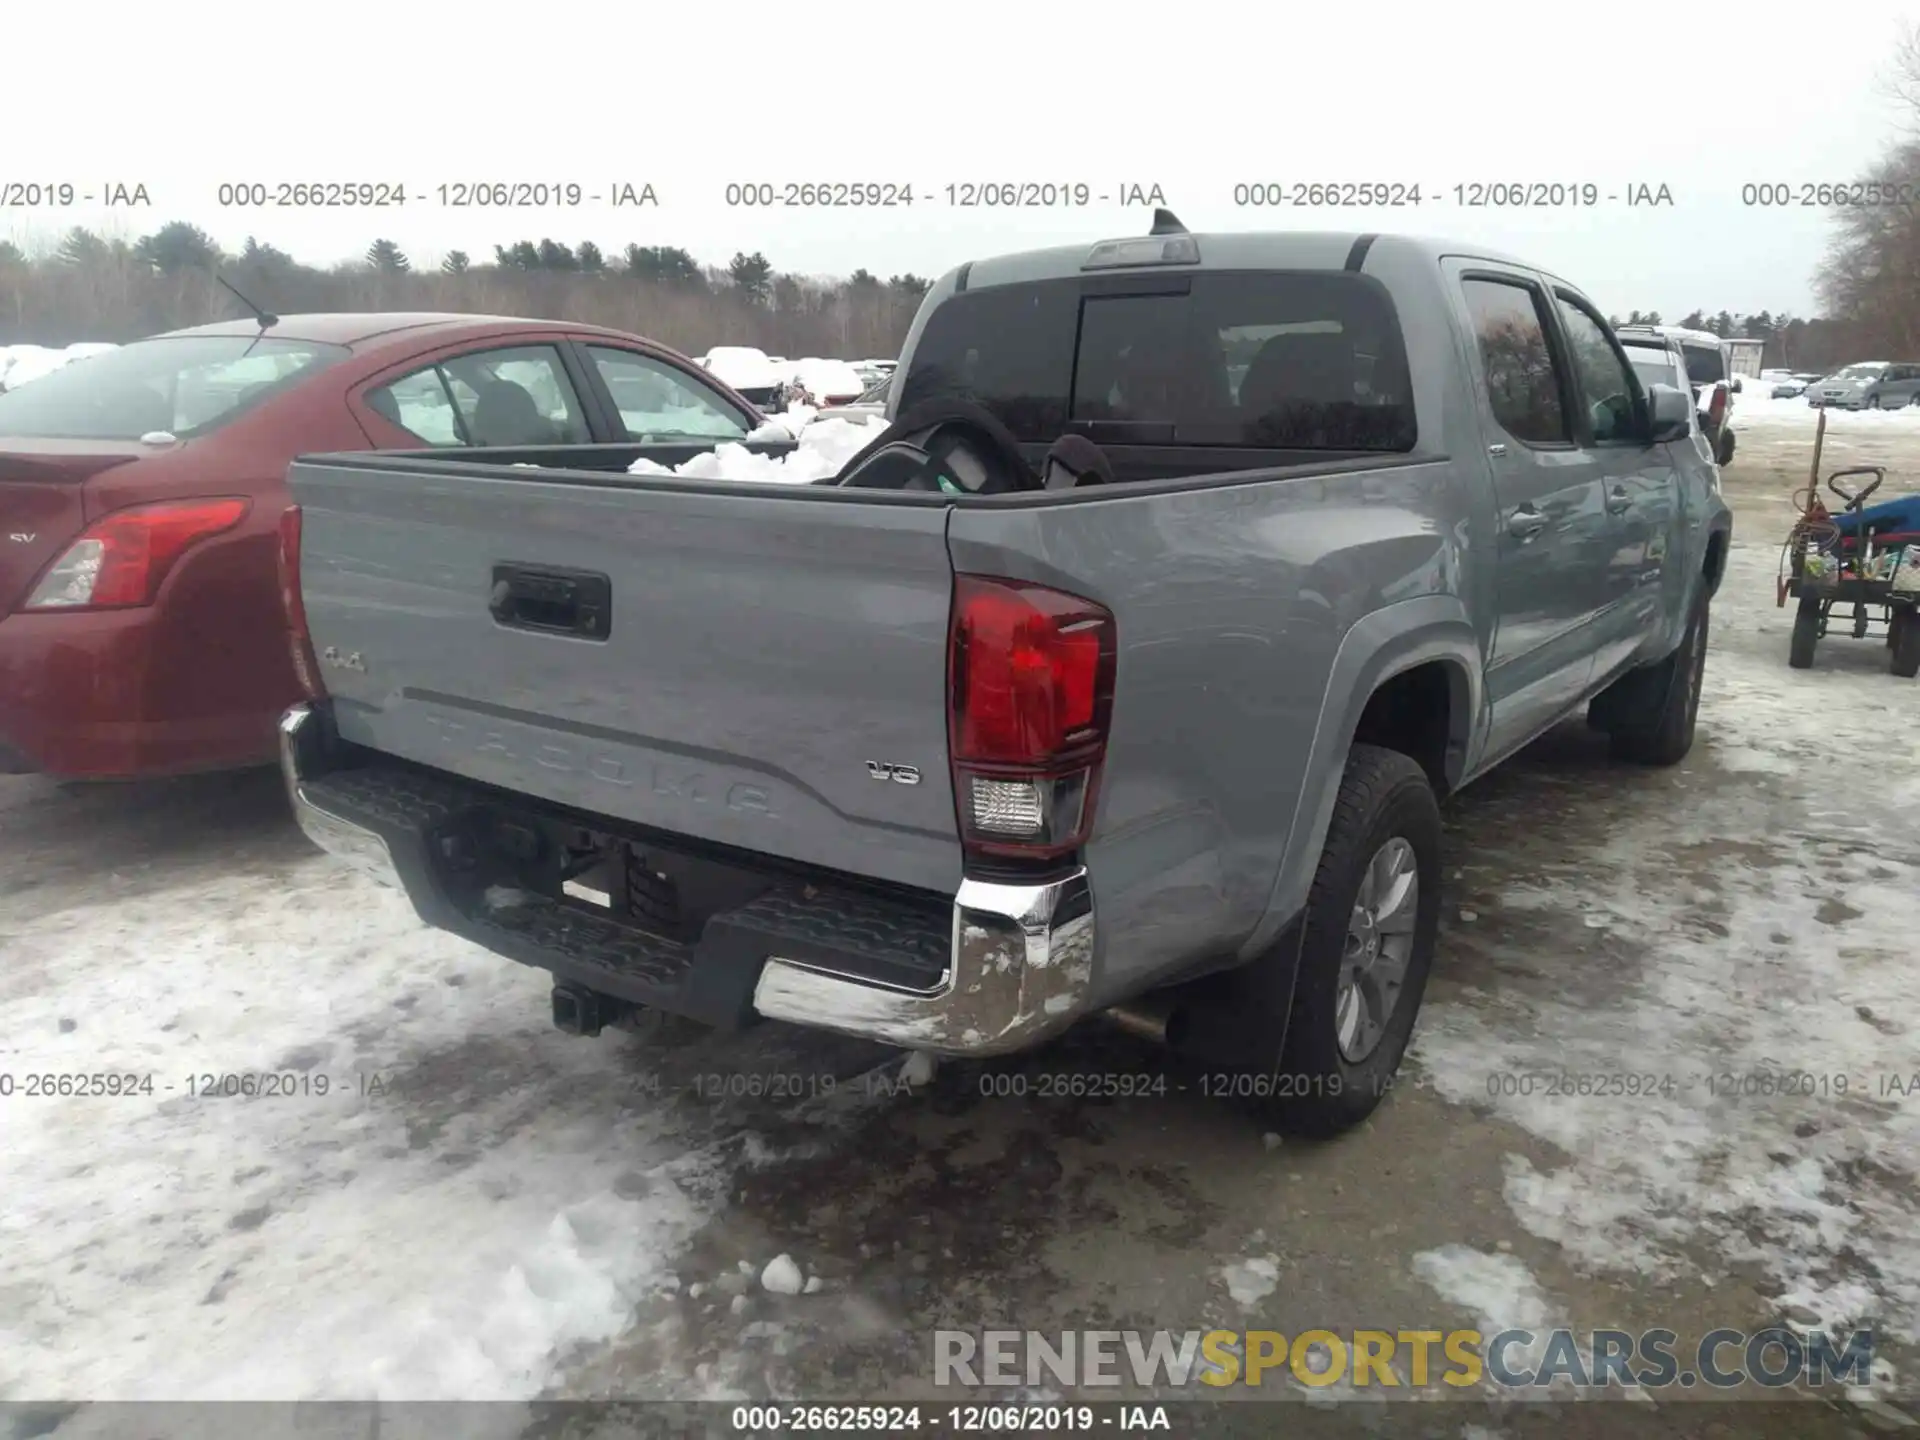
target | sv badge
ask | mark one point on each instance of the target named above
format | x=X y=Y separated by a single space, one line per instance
x=899 y=774
x=19 y=539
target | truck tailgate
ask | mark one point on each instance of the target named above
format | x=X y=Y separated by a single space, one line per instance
x=759 y=650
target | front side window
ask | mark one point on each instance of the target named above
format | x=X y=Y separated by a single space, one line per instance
x=1606 y=383
x=186 y=385
x=657 y=402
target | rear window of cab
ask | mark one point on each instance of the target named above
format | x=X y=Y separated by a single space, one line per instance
x=1285 y=360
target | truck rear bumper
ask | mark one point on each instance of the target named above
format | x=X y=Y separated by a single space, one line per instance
x=998 y=969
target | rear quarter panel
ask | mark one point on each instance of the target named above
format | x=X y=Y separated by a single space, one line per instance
x=1253 y=620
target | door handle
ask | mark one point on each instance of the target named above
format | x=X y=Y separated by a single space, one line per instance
x=556 y=602
x=1619 y=501
x=1526 y=522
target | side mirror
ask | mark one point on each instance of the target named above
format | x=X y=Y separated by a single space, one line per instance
x=1669 y=411
x=1736 y=385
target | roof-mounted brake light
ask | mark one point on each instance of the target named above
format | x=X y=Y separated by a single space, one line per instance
x=1167 y=244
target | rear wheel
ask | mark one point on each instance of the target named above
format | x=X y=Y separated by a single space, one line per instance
x=1724 y=454
x=1903 y=631
x=1806 y=633
x=1366 y=946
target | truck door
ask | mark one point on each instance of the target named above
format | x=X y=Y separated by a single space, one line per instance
x=1609 y=427
x=1552 y=523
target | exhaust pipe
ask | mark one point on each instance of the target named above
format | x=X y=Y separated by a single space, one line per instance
x=1148 y=1022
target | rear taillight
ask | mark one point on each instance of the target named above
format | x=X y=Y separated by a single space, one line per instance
x=1029 y=696
x=306 y=667
x=122 y=559
x=1717 y=407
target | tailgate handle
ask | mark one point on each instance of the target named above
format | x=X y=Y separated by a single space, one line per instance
x=552 y=602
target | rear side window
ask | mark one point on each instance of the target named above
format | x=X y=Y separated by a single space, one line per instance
x=1523 y=386
x=507 y=397
x=1263 y=360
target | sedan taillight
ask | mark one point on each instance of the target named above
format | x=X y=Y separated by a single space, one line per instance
x=122 y=559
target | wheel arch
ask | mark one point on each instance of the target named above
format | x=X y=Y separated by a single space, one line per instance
x=1393 y=668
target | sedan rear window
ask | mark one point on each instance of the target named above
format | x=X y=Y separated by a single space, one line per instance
x=1303 y=360
x=1654 y=367
x=184 y=385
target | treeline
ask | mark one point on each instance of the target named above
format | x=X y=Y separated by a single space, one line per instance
x=89 y=287
x=1870 y=282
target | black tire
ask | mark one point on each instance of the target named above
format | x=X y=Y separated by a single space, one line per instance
x=1384 y=796
x=1661 y=731
x=1904 y=629
x=1806 y=633
x=1724 y=455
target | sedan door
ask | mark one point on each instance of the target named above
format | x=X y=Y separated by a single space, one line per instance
x=1611 y=425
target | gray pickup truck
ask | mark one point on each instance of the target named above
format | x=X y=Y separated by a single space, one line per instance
x=1121 y=676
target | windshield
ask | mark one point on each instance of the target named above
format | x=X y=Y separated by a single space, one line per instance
x=1705 y=363
x=185 y=386
x=1858 y=372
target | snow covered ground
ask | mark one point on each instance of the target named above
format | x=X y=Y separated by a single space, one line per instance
x=1760 y=952
x=439 y=1198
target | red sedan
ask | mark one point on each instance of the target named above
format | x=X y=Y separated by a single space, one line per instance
x=141 y=491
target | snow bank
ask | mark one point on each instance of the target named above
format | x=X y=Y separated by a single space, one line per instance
x=22 y=363
x=825 y=447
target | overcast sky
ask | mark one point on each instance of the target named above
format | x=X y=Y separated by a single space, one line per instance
x=1195 y=97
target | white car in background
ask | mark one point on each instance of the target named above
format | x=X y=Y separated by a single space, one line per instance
x=749 y=371
x=829 y=382
x=871 y=405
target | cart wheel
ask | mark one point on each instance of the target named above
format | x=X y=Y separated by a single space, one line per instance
x=1806 y=633
x=1904 y=626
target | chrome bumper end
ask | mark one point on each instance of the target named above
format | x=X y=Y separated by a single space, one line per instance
x=1021 y=970
x=301 y=739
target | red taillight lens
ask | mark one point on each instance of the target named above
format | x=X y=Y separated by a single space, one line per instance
x=1717 y=407
x=1030 y=691
x=306 y=668
x=122 y=559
